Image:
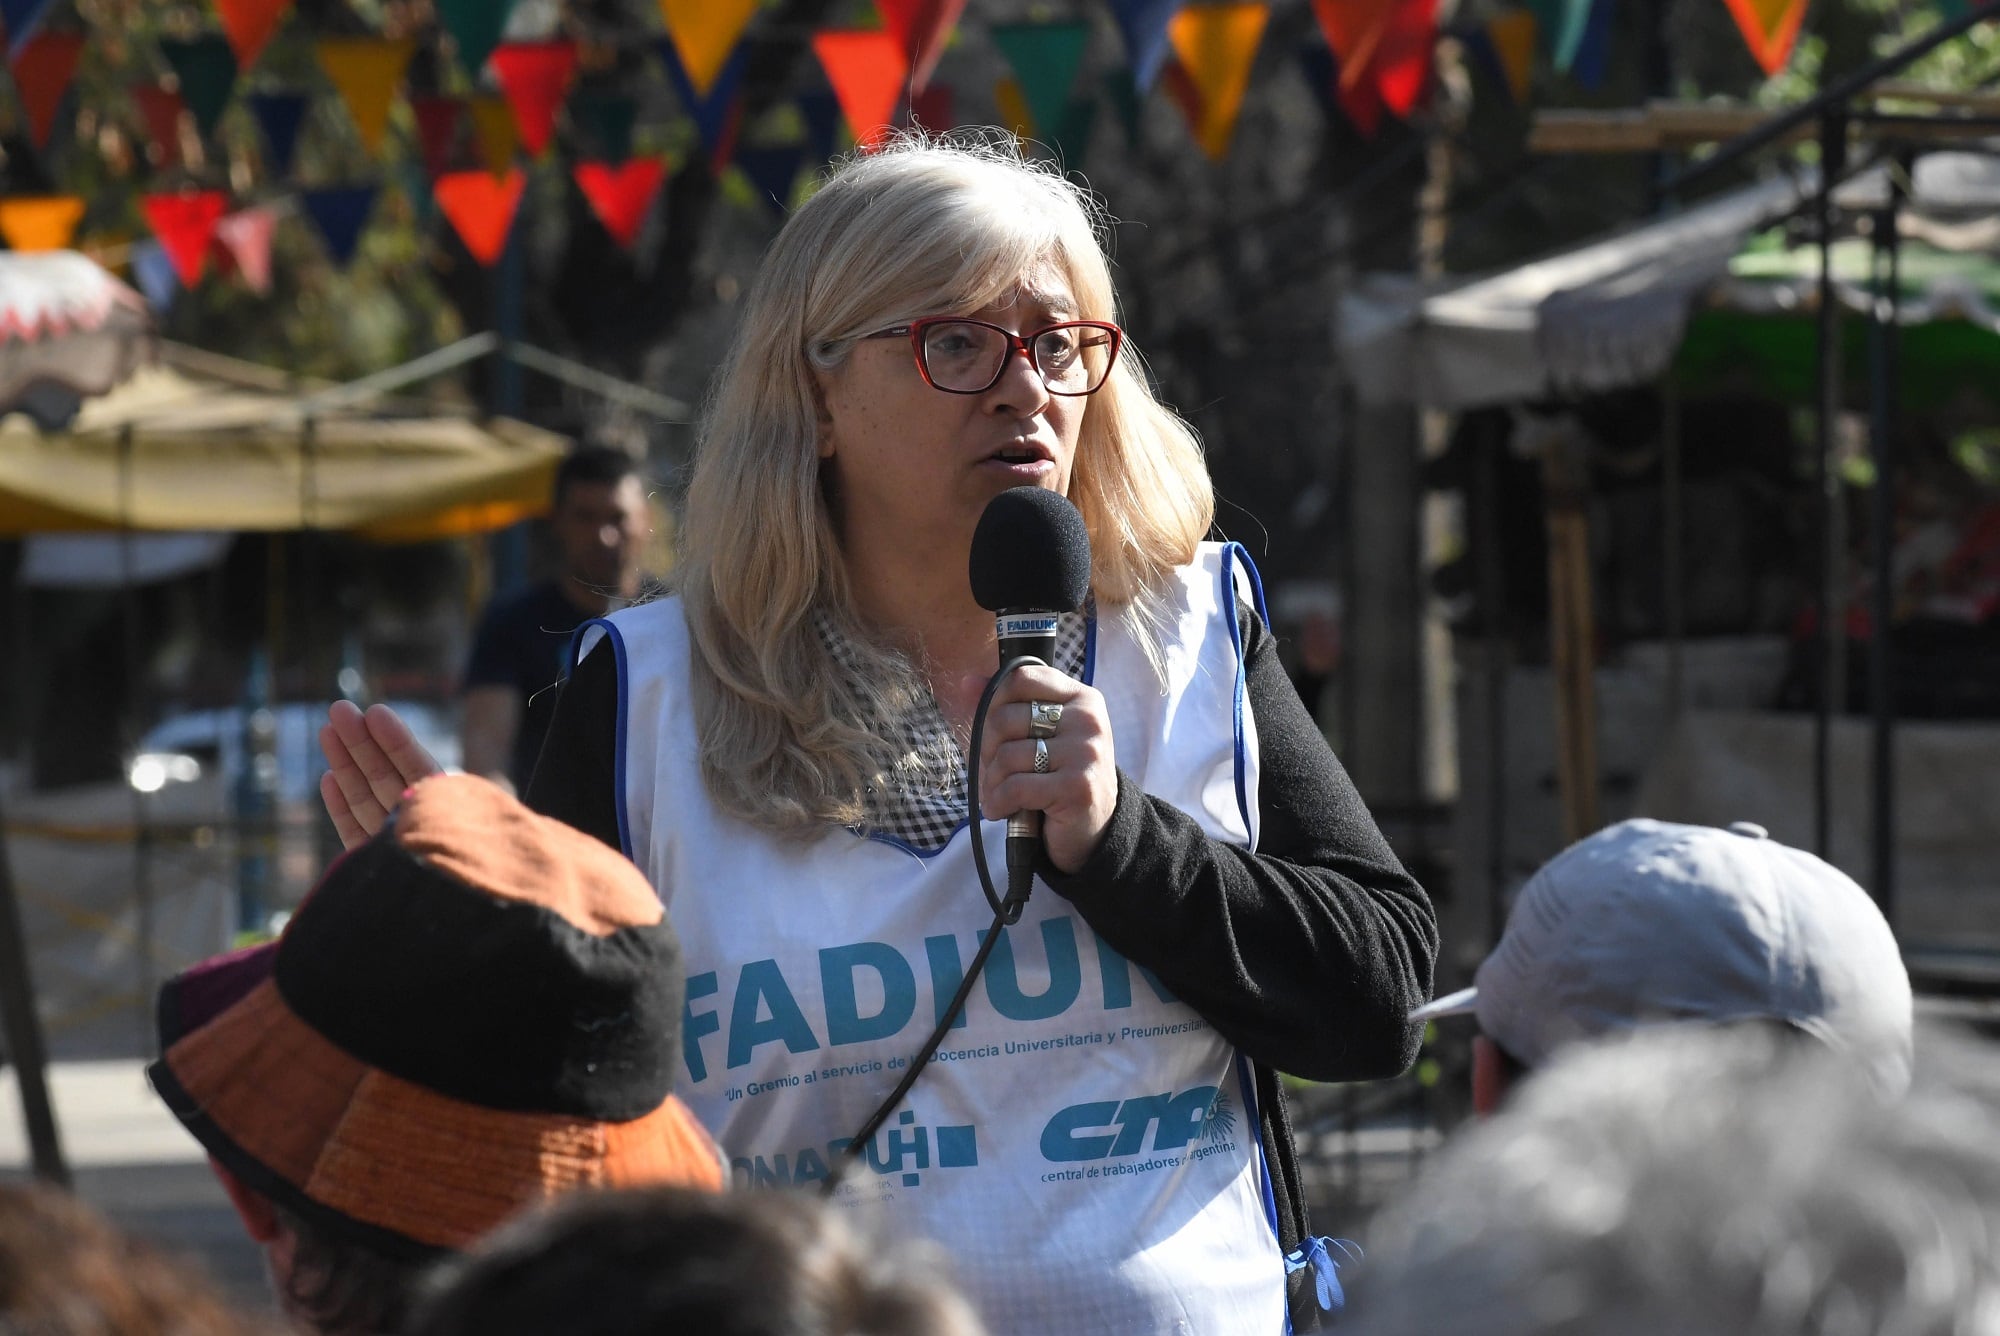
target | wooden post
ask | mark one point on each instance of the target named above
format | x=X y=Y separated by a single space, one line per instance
x=1572 y=629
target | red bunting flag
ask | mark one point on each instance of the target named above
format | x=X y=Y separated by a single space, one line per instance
x=866 y=69
x=438 y=121
x=185 y=224
x=246 y=235
x=923 y=27
x=248 y=24
x=1401 y=66
x=933 y=109
x=480 y=207
x=1353 y=28
x=161 y=109
x=1770 y=28
x=42 y=73
x=621 y=194
x=535 y=76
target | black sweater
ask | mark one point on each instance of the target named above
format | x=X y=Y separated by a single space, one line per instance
x=1308 y=954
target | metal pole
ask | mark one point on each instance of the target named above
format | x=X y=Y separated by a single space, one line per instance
x=1672 y=509
x=1884 y=327
x=1833 y=157
x=23 y=1030
x=142 y=802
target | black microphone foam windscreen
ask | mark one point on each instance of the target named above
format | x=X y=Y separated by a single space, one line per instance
x=1030 y=550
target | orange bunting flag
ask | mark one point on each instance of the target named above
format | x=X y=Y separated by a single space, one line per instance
x=535 y=76
x=248 y=24
x=704 y=32
x=1512 y=36
x=493 y=131
x=621 y=194
x=923 y=27
x=1013 y=105
x=42 y=71
x=480 y=208
x=1353 y=28
x=366 y=71
x=40 y=222
x=1216 y=45
x=866 y=69
x=1770 y=28
x=185 y=224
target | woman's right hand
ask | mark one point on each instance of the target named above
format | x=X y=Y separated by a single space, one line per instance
x=371 y=759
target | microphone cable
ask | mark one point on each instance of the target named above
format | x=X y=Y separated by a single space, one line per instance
x=1005 y=912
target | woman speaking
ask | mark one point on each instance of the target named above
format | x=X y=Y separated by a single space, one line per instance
x=782 y=746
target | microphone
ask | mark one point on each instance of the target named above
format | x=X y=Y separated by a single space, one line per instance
x=1030 y=564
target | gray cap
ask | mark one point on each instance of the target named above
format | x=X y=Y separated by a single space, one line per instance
x=1648 y=921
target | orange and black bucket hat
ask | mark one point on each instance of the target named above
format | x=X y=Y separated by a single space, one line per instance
x=477 y=1009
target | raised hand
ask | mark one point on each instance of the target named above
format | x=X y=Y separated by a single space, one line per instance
x=371 y=759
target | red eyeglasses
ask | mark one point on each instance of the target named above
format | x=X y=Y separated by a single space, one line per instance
x=961 y=356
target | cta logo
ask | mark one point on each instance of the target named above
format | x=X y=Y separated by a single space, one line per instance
x=905 y=1150
x=1107 y=1129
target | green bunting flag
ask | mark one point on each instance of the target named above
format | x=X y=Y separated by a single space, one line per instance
x=1045 y=58
x=206 y=68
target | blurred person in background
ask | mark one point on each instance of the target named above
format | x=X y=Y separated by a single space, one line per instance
x=599 y=520
x=1738 y=1182
x=1651 y=922
x=754 y=1263
x=67 y=1271
x=475 y=1011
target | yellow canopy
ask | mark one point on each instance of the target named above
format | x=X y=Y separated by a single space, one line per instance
x=218 y=444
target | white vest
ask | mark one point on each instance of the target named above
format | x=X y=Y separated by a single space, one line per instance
x=1085 y=1145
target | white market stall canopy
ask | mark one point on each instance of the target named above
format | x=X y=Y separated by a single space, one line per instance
x=1611 y=312
x=68 y=331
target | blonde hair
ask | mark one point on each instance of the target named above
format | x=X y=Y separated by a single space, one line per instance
x=918 y=227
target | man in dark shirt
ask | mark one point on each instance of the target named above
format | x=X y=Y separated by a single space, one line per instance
x=599 y=518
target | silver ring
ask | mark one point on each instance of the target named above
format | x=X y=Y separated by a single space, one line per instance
x=1043 y=716
x=1041 y=756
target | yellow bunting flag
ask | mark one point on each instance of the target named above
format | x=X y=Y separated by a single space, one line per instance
x=704 y=32
x=493 y=130
x=1512 y=35
x=367 y=71
x=1217 y=44
x=1013 y=104
x=1770 y=28
x=40 y=222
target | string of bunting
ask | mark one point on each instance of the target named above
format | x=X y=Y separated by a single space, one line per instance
x=477 y=149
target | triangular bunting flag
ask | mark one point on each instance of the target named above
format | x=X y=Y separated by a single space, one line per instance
x=42 y=72
x=1045 y=58
x=1362 y=105
x=475 y=27
x=416 y=191
x=716 y=112
x=1770 y=28
x=339 y=214
x=492 y=131
x=40 y=222
x=866 y=70
x=185 y=224
x=923 y=27
x=1181 y=88
x=604 y=121
x=702 y=34
x=21 y=16
x=206 y=69
x=1593 y=53
x=822 y=117
x=620 y=195
x=1353 y=28
x=246 y=235
x=1510 y=36
x=1401 y=66
x=160 y=109
x=480 y=208
x=535 y=76
x=1560 y=25
x=249 y=25
x=438 y=121
x=366 y=71
x=933 y=108
x=1143 y=24
x=1217 y=44
x=278 y=116
x=773 y=171
x=153 y=271
x=1016 y=116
